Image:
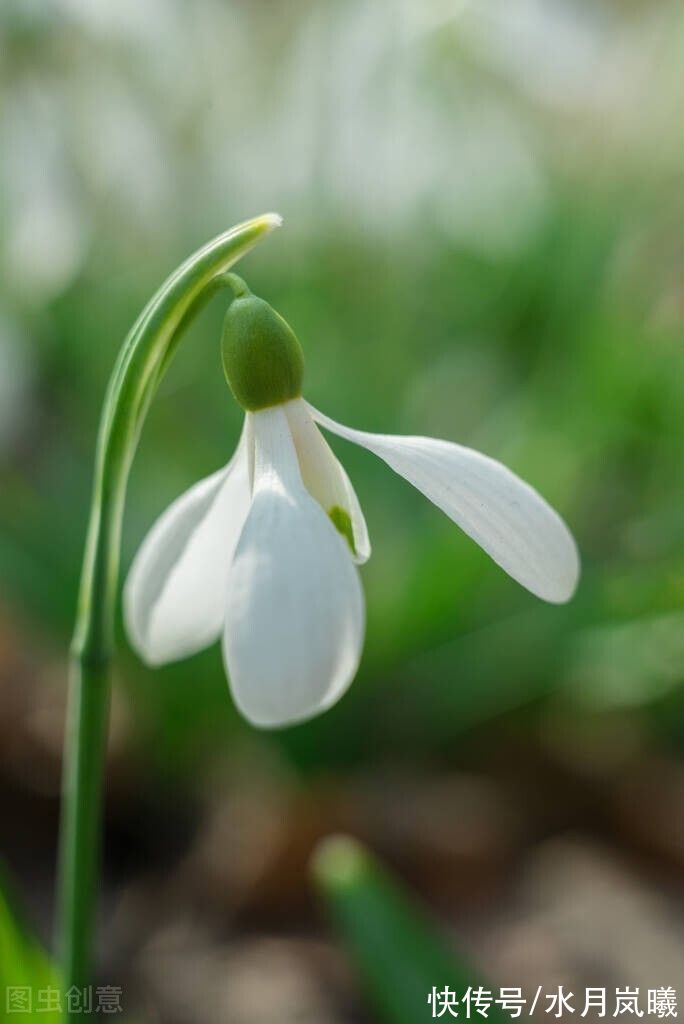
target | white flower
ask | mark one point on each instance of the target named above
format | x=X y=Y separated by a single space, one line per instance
x=263 y=554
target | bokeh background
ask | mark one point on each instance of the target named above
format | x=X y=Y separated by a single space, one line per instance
x=484 y=241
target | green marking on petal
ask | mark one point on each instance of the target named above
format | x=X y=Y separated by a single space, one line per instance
x=341 y=520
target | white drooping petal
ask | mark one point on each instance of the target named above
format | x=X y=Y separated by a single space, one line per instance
x=294 y=607
x=503 y=514
x=174 y=596
x=326 y=480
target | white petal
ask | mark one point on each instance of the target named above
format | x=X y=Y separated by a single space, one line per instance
x=174 y=596
x=324 y=477
x=294 y=609
x=504 y=515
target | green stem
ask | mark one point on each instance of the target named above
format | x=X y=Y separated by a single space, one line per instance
x=141 y=363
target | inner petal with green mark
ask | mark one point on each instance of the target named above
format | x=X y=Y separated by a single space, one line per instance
x=326 y=480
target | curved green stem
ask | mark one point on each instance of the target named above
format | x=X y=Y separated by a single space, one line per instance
x=142 y=362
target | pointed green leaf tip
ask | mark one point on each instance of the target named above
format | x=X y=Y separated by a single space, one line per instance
x=339 y=862
x=262 y=358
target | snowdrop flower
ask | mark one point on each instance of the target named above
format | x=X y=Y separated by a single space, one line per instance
x=264 y=552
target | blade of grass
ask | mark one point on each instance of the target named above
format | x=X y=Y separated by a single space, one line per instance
x=396 y=948
x=26 y=972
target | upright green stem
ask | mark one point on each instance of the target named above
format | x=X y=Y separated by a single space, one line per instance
x=141 y=363
x=82 y=797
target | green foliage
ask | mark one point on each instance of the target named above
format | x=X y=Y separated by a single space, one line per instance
x=395 y=947
x=24 y=965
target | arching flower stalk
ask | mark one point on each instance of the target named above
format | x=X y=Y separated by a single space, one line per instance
x=263 y=553
x=142 y=362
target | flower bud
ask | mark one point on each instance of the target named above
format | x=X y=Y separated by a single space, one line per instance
x=262 y=358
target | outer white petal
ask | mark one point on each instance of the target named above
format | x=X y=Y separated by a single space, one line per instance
x=294 y=609
x=324 y=476
x=174 y=596
x=507 y=517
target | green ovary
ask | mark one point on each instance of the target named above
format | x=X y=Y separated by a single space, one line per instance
x=262 y=358
x=341 y=520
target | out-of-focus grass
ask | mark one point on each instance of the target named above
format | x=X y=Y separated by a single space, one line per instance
x=29 y=982
x=395 y=946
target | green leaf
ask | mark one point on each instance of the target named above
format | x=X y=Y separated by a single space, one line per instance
x=26 y=972
x=395 y=946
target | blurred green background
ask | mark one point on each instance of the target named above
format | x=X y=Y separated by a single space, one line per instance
x=483 y=241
